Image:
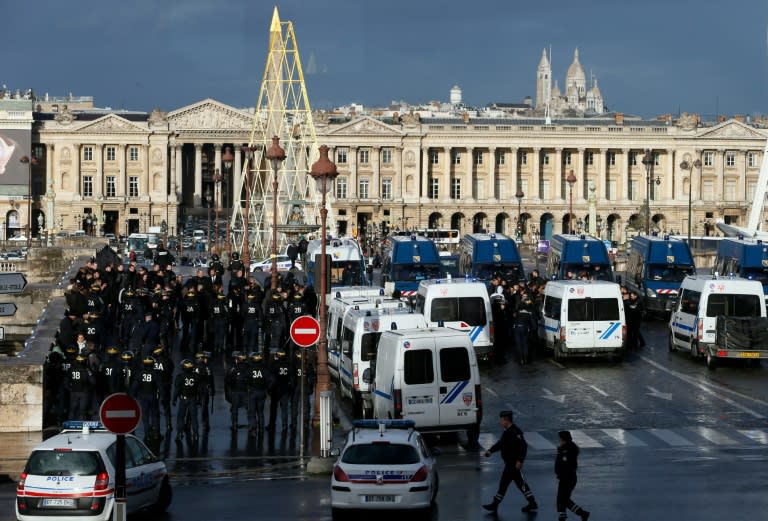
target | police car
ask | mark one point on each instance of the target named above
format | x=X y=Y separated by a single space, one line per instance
x=71 y=476
x=384 y=465
x=283 y=264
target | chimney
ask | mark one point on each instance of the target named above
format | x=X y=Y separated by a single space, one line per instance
x=721 y=118
x=466 y=118
x=618 y=118
x=739 y=118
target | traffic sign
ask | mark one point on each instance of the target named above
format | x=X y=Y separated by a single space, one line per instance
x=2 y=333
x=7 y=309
x=12 y=283
x=120 y=413
x=305 y=331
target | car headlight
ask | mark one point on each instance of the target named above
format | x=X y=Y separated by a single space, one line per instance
x=650 y=293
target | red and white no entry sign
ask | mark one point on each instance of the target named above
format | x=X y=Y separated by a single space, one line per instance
x=305 y=331
x=120 y=413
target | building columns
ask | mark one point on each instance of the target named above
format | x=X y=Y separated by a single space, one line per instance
x=623 y=182
x=146 y=189
x=719 y=168
x=198 y=175
x=446 y=190
x=375 y=188
x=580 y=181
x=490 y=193
x=122 y=178
x=76 y=171
x=470 y=185
x=558 y=177
x=533 y=187
x=669 y=178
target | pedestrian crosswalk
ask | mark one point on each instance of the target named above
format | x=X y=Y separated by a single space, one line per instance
x=654 y=438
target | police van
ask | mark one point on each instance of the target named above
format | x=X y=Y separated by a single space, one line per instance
x=361 y=330
x=693 y=323
x=484 y=255
x=746 y=258
x=347 y=265
x=337 y=310
x=583 y=318
x=72 y=476
x=655 y=269
x=429 y=376
x=572 y=256
x=462 y=304
x=407 y=261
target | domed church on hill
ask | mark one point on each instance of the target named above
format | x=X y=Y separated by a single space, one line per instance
x=576 y=100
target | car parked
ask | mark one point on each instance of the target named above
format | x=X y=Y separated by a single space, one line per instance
x=283 y=264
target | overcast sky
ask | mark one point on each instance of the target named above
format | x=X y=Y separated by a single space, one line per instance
x=650 y=56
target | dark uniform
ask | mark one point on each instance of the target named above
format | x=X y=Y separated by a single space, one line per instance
x=146 y=388
x=513 y=449
x=523 y=315
x=566 y=464
x=186 y=389
x=274 y=323
x=251 y=311
x=236 y=386
x=126 y=371
x=219 y=314
x=296 y=308
x=281 y=391
x=301 y=368
x=80 y=381
x=259 y=381
x=207 y=387
x=234 y=307
x=190 y=316
x=164 y=367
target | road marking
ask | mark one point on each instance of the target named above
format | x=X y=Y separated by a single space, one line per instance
x=670 y=438
x=712 y=388
x=559 y=398
x=755 y=435
x=598 y=390
x=582 y=440
x=714 y=436
x=625 y=438
x=492 y=392
x=622 y=405
x=658 y=394
x=579 y=378
x=556 y=364
x=539 y=442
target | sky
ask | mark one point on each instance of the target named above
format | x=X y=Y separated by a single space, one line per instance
x=650 y=57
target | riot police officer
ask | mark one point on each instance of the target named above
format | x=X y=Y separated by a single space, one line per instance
x=274 y=323
x=234 y=306
x=126 y=371
x=235 y=264
x=146 y=388
x=219 y=314
x=190 y=316
x=207 y=386
x=216 y=264
x=164 y=367
x=236 y=386
x=186 y=389
x=110 y=372
x=301 y=368
x=296 y=308
x=251 y=322
x=80 y=382
x=259 y=381
x=130 y=312
x=281 y=390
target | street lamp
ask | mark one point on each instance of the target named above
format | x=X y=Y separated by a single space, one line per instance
x=571 y=179
x=29 y=161
x=208 y=199
x=648 y=162
x=246 y=255
x=686 y=165
x=217 y=201
x=276 y=155
x=227 y=159
x=323 y=171
x=519 y=195
x=599 y=226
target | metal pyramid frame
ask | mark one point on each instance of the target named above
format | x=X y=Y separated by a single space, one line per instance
x=282 y=110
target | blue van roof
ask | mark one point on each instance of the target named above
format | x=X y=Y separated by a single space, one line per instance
x=663 y=250
x=750 y=252
x=490 y=248
x=414 y=249
x=573 y=249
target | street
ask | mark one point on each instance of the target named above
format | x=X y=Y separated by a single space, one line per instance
x=660 y=436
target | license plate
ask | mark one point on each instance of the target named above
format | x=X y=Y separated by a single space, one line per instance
x=58 y=502
x=379 y=499
x=749 y=354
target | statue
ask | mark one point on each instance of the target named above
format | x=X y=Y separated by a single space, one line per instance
x=296 y=216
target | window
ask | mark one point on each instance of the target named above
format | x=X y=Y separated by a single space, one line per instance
x=590 y=158
x=708 y=158
x=455 y=188
x=552 y=307
x=418 y=367
x=111 y=189
x=87 y=153
x=386 y=188
x=456 y=158
x=612 y=158
x=656 y=159
x=751 y=159
x=500 y=158
x=341 y=188
x=70 y=463
x=611 y=189
x=689 y=301
x=341 y=156
x=478 y=157
x=523 y=158
x=751 y=187
x=110 y=153
x=454 y=309
x=733 y=305
x=633 y=159
x=364 y=159
x=87 y=186
x=362 y=189
x=730 y=159
x=593 y=309
x=133 y=186
x=730 y=189
x=434 y=188
x=545 y=158
x=634 y=189
x=386 y=156
x=368 y=346
x=567 y=159
x=434 y=157
x=454 y=364
x=133 y=153
x=707 y=189
x=383 y=454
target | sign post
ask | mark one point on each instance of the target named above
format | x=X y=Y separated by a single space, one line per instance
x=120 y=414
x=305 y=332
x=12 y=283
x=7 y=309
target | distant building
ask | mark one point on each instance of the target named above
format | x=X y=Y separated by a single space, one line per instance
x=576 y=100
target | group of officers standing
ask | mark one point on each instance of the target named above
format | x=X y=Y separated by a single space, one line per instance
x=126 y=327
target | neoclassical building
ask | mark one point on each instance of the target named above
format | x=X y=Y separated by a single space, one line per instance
x=120 y=172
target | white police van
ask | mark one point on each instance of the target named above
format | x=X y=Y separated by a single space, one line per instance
x=461 y=304
x=71 y=476
x=583 y=318
x=361 y=330
x=429 y=376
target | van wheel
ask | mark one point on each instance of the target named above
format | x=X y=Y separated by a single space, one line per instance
x=556 y=351
x=473 y=434
x=711 y=361
x=338 y=514
x=672 y=346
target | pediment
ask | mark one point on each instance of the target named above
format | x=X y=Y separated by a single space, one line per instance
x=110 y=123
x=209 y=115
x=363 y=126
x=732 y=129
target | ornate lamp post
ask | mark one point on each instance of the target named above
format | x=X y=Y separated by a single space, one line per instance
x=29 y=161
x=648 y=162
x=323 y=171
x=690 y=166
x=519 y=195
x=216 y=202
x=208 y=200
x=276 y=155
x=246 y=255
x=227 y=159
x=571 y=180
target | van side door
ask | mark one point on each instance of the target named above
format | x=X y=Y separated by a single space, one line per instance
x=456 y=390
x=607 y=323
x=683 y=322
x=420 y=395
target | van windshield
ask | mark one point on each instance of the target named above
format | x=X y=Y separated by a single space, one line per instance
x=588 y=272
x=668 y=273
x=368 y=346
x=454 y=309
x=593 y=309
x=506 y=271
x=733 y=305
x=417 y=272
x=64 y=463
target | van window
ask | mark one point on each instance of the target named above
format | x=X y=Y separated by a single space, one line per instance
x=589 y=309
x=454 y=364
x=346 y=341
x=689 y=301
x=381 y=454
x=668 y=273
x=368 y=346
x=732 y=305
x=64 y=463
x=453 y=309
x=552 y=307
x=418 y=367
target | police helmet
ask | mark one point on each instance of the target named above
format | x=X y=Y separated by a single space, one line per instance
x=298 y=296
x=275 y=296
x=280 y=354
x=221 y=296
x=149 y=361
x=202 y=355
x=215 y=257
x=129 y=292
x=298 y=354
x=255 y=356
x=239 y=356
x=158 y=350
x=250 y=296
x=235 y=256
x=191 y=293
x=81 y=358
x=70 y=351
x=126 y=356
x=187 y=364
x=112 y=350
